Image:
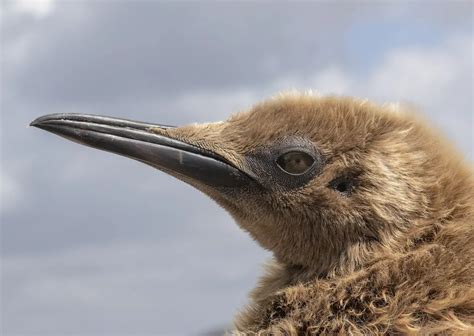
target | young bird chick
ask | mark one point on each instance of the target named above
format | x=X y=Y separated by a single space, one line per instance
x=369 y=214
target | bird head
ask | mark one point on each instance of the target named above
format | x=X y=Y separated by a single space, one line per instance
x=319 y=181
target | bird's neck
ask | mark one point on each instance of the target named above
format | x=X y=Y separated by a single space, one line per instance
x=279 y=275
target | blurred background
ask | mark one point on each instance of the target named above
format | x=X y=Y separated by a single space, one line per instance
x=96 y=244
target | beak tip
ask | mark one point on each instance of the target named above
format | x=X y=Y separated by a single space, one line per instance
x=38 y=121
x=43 y=120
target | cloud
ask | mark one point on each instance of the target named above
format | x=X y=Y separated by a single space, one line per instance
x=172 y=49
x=109 y=284
x=37 y=8
x=120 y=272
x=99 y=244
x=161 y=55
x=10 y=192
x=421 y=72
x=437 y=79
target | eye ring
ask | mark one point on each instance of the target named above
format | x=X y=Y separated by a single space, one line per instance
x=295 y=162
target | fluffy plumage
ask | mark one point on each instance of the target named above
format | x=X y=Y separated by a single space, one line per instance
x=368 y=212
x=394 y=254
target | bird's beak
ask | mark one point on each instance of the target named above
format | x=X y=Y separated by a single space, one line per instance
x=136 y=140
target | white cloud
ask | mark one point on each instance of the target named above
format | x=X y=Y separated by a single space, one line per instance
x=407 y=74
x=37 y=8
x=17 y=48
x=416 y=73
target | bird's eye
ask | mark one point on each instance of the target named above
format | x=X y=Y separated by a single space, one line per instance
x=295 y=163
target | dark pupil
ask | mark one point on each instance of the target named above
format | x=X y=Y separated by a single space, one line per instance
x=343 y=186
x=295 y=162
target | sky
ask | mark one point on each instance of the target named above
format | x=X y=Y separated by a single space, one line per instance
x=96 y=244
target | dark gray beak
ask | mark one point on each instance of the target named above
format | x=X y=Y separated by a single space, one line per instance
x=136 y=140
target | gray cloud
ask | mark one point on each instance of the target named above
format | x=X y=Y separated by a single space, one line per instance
x=85 y=250
x=102 y=290
x=120 y=50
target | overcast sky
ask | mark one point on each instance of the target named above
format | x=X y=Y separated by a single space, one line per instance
x=96 y=244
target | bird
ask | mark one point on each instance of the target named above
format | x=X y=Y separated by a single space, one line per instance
x=366 y=208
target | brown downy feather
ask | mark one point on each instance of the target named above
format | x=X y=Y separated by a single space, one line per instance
x=395 y=255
